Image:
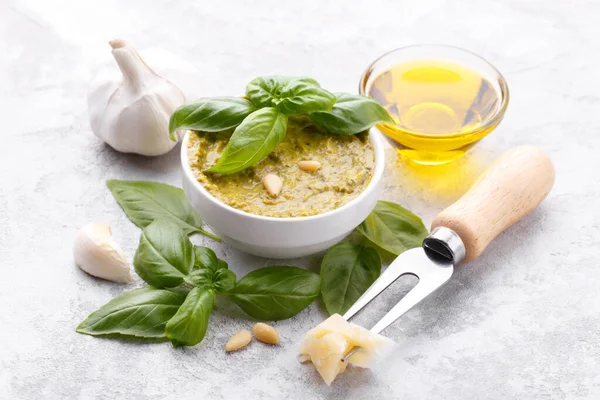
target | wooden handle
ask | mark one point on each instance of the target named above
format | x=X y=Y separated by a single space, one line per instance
x=505 y=193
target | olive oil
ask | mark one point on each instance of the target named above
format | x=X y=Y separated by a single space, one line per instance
x=439 y=108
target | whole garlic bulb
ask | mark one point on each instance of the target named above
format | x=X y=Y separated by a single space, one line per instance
x=96 y=252
x=132 y=113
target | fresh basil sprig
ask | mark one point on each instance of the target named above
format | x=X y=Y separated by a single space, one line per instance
x=144 y=201
x=212 y=114
x=261 y=120
x=347 y=271
x=291 y=95
x=351 y=114
x=167 y=260
x=393 y=228
x=252 y=141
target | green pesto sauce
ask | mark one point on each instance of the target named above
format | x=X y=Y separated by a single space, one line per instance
x=347 y=164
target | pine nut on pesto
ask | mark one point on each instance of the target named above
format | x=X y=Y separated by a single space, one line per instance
x=346 y=162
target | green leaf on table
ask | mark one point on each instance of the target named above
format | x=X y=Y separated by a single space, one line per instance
x=347 y=271
x=165 y=254
x=213 y=114
x=188 y=326
x=252 y=141
x=276 y=292
x=393 y=228
x=144 y=201
x=141 y=313
x=351 y=114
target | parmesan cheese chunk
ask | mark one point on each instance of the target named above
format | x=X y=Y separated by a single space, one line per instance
x=326 y=344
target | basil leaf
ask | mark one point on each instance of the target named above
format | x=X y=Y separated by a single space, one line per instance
x=299 y=97
x=142 y=313
x=200 y=278
x=212 y=114
x=205 y=258
x=264 y=90
x=224 y=280
x=393 y=228
x=222 y=264
x=143 y=202
x=188 y=325
x=252 y=141
x=347 y=271
x=291 y=95
x=164 y=256
x=210 y=271
x=277 y=292
x=351 y=114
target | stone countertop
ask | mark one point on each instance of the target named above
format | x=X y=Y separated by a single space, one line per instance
x=520 y=322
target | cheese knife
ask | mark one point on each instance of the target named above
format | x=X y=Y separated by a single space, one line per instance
x=511 y=188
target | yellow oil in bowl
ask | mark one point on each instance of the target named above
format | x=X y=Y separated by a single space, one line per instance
x=440 y=106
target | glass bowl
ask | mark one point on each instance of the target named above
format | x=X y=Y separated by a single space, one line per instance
x=443 y=100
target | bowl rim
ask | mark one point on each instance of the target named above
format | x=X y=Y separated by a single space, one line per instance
x=377 y=140
x=491 y=122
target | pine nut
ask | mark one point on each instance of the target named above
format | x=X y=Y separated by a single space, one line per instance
x=265 y=333
x=238 y=341
x=309 y=166
x=273 y=184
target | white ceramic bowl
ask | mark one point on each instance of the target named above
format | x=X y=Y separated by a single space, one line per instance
x=283 y=237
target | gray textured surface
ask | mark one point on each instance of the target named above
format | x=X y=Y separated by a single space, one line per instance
x=521 y=322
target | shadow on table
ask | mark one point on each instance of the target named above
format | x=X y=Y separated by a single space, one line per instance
x=135 y=166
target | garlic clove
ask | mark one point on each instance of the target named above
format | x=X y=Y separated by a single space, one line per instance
x=132 y=113
x=96 y=252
